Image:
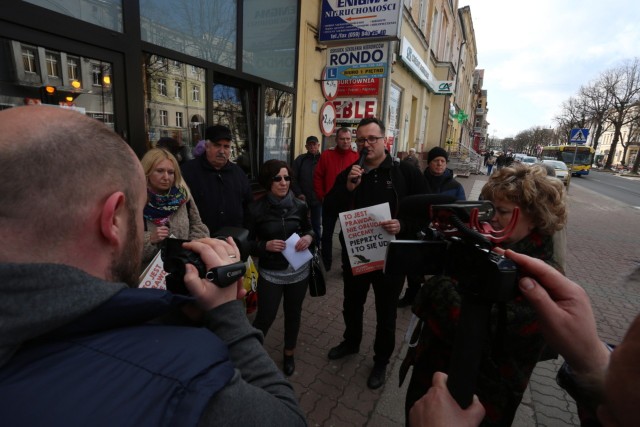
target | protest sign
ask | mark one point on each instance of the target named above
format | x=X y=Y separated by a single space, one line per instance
x=365 y=239
x=154 y=275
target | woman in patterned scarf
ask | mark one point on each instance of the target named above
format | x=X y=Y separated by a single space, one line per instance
x=169 y=211
x=514 y=344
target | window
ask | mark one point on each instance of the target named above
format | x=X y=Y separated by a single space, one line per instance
x=195 y=93
x=164 y=118
x=52 y=65
x=178 y=89
x=162 y=87
x=176 y=64
x=29 y=60
x=72 y=68
x=96 y=71
x=179 y=120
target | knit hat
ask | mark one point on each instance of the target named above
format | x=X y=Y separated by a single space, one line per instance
x=217 y=132
x=437 y=152
x=312 y=139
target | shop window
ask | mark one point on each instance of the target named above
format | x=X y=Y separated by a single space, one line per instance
x=278 y=110
x=272 y=57
x=205 y=30
x=235 y=107
x=105 y=13
x=156 y=73
x=30 y=85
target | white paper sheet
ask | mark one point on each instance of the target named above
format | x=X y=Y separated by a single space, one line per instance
x=296 y=259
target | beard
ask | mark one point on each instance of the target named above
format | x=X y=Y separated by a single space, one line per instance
x=126 y=265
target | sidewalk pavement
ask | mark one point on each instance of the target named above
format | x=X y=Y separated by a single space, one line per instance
x=334 y=393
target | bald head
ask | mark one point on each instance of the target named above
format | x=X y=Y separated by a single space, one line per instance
x=55 y=166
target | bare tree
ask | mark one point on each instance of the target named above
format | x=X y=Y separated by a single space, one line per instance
x=597 y=103
x=623 y=85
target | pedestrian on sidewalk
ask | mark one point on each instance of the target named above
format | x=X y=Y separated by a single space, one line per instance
x=439 y=180
x=379 y=180
x=302 y=183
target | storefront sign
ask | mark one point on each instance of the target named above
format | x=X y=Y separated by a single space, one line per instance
x=358 y=61
x=343 y=20
x=422 y=71
x=358 y=87
x=355 y=109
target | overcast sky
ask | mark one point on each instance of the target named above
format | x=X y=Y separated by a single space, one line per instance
x=536 y=54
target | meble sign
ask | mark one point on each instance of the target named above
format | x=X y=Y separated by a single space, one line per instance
x=359 y=61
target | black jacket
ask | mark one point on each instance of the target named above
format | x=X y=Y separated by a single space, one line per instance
x=303 y=167
x=222 y=196
x=268 y=222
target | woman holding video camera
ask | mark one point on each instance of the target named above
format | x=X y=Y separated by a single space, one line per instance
x=514 y=344
x=272 y=220
x=170 y=210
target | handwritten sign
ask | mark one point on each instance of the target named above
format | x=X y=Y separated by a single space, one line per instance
x=365 y=238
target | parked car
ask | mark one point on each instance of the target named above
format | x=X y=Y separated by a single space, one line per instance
x=529 y=160
x=561 y=170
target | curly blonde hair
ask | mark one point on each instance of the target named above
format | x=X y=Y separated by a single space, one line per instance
x=539 y=196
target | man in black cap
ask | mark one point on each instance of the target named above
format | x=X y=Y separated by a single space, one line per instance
x=439 y=180
x=219 y=187
x=303 y=167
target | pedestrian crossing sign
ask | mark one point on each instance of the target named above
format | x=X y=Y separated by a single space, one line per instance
x=578 y=135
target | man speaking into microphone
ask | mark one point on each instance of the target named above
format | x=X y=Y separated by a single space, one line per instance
x=374 y=179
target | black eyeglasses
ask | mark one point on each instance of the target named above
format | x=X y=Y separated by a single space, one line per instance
x=370 y=139
x=279 y=178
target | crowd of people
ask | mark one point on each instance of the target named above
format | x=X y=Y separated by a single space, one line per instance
x=88 y=216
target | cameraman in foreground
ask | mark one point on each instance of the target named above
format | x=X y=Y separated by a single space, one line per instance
x=608 y=380
x=77 y=345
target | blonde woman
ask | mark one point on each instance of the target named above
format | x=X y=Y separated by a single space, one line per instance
x=170 y=209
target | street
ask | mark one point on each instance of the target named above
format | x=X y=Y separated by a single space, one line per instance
x=618 y=187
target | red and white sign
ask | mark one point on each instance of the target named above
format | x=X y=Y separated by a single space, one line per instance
x=358 y=88
x=327 y=118
x=329 y=87
x=355 y=109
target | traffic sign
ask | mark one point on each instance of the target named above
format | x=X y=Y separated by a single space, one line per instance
x=578 y=135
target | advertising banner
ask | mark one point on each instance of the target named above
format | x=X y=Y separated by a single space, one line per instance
x=358 y=87
x=357 y=61
x=348 y=20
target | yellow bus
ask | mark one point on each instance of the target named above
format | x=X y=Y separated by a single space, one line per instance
x=567 y=153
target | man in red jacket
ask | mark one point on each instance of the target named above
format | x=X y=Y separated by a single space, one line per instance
x=331 y=163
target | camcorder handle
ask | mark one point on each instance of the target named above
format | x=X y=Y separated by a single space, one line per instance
x=471 y=332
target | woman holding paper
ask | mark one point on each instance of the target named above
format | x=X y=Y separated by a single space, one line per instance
x=169 y=209
x=273 y=220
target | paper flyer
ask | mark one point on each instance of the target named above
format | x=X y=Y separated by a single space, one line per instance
x=365 y=239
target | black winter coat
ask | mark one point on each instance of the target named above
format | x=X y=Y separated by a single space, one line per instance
x=268 y=222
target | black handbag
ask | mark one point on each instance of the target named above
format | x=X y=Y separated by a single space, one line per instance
x=317 y=276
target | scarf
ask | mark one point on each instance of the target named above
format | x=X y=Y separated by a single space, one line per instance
x=161 y=206
x=285 y=203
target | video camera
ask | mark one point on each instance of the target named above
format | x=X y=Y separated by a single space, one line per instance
x=175 y=258
x=458 y=241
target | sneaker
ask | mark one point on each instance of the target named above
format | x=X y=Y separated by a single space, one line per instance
x=377 y=376
x=341 y=350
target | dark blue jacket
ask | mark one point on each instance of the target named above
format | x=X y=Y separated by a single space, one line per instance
x=110 y=368
x=222 y=195
x=445 y=184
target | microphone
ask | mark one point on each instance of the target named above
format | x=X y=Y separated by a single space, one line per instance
x=363 y=155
